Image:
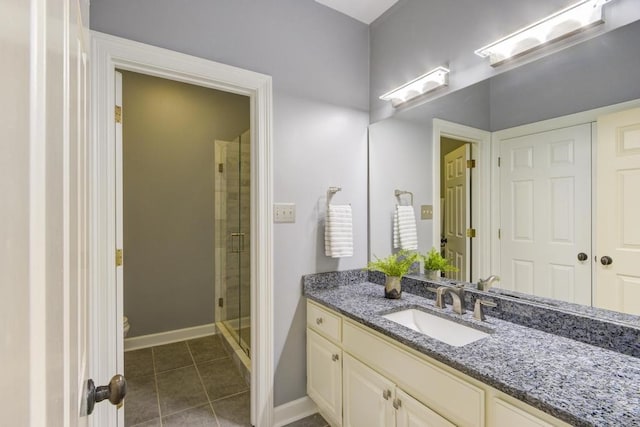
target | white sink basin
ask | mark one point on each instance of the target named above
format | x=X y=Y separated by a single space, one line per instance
x=436 y=327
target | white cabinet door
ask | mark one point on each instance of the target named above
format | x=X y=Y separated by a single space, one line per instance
x=324 y=376
x=545 y=214
x=367 y=396
x=411 y=413
x=618 y=210
x=507 y=415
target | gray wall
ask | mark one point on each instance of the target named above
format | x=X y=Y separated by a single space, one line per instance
x=319 y=60
x=415 y=36
x=599 y=72
x=399 y=158
x=169 y=131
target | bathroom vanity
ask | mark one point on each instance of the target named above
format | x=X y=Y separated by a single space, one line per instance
x=366 y=370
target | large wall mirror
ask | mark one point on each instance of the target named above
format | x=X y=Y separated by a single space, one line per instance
x=533 y=133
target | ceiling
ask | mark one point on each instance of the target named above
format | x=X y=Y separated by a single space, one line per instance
x=365 y=11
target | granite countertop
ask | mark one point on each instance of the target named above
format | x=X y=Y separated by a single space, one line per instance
x=579 y=383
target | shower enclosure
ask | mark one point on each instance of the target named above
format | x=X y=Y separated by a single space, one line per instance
x=232 y=239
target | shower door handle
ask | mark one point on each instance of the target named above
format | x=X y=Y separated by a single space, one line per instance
x=237 y=242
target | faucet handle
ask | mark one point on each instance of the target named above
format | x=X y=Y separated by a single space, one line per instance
x=485 y=284
x=440 y=297
x=478 y=312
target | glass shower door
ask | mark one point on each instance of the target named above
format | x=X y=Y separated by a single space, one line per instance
x=233 y=228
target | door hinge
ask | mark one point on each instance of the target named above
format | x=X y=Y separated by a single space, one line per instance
x=118 y=257
x=220 y=302
x=118 y=114
x=498 y=161
x=220 y=167
x=471 y=163
x=471 y=232
x=499 y=233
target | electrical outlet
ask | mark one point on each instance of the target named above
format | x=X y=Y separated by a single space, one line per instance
x=426 y=212
x=284 y=212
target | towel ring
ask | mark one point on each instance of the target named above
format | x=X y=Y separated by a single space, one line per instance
x=399 y=193
x=331 y=192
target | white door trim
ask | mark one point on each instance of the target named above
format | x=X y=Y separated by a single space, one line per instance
x=109 y=53
x=480 y=177
x=589 y=116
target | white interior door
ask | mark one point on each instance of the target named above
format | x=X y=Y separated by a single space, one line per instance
x=51 y=175
x=119 y=347
x=545 y=212
x=618 y=212
x=457 y=211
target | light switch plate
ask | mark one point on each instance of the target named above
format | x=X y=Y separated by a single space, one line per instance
x=426 y=212
x=284 y=212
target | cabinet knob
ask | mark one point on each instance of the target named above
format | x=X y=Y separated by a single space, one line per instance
x=335 y=357
x=319 y=321
x=397 y=403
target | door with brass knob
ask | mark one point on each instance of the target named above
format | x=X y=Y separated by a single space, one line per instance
x=606 y=260
x=115 y=392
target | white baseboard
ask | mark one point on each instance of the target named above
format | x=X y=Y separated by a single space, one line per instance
x=235 y=323
x=293 y=411
x=168 y=337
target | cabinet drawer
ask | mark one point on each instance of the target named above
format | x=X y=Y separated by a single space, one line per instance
x=448 y=395
x=324 y=322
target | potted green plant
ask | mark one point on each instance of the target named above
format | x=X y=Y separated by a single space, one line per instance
x=434 y=263
x=394 y=267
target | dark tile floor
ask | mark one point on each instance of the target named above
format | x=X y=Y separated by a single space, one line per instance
x=314 y=420
x=189 y=383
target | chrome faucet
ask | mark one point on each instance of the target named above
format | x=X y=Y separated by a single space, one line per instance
x=485 y=285
x=457 y=295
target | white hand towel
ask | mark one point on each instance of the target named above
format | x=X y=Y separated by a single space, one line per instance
x=405 y=233
x=338 y=231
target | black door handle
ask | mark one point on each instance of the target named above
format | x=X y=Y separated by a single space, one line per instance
x=582 y=256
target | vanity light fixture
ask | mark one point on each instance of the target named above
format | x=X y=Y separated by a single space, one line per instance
x=562 y=24
x=427 y=82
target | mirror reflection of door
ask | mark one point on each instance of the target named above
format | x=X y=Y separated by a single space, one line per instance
x=545 y=193
x=618 y=209
x=456 y=215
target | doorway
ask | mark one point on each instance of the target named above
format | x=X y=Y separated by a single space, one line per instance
x=478 y=208
x=108 y=54
x=170 y=212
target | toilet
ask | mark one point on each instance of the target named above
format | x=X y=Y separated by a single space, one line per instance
x=125 y=326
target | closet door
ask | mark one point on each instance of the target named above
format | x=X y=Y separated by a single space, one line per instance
x=618 y=210
x=545 y=212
